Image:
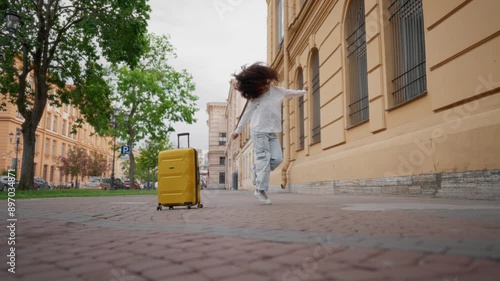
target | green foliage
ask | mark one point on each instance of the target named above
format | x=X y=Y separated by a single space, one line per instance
x=153 y=96
x=148 y=159
x=125 y=166
x=68 y=41
x=7 y=173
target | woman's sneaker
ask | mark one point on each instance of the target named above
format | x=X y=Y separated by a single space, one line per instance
x=262 y=196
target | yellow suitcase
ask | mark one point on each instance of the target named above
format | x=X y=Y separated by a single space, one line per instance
x=179 y=178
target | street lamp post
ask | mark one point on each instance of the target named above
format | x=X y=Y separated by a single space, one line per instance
x=11 y=19
x=115 y=125
x=18 y=140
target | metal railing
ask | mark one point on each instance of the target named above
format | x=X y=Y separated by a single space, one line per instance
x=316 y=104
x=356 y=57
x=407 y=25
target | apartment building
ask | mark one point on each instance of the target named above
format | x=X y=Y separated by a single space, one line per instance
x=239 y=152
x=54 y=138
x=218 y=137
x=403 y=96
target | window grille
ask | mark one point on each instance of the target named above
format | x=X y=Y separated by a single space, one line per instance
x=316 y=114
x=356 y=57
x=300 y=85
x=407 y=23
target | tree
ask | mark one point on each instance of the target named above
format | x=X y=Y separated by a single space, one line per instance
x=153 y=95
x=97 y=165
x=76 y=163
x=61 y=41
x=147 y=161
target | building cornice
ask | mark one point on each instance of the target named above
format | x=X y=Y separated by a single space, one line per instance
x=308 y=22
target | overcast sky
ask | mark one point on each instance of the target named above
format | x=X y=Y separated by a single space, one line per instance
x=213 y=39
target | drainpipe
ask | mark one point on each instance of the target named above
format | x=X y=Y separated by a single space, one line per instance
x=286 y=108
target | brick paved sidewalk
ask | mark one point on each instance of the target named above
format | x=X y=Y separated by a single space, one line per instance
x=299 y=237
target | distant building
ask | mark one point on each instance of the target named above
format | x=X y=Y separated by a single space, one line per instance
x=238 y=152
x=217 y=131
x=53 y=139
x=203 y=162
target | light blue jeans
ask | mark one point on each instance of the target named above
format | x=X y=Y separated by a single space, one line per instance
x=268 y=156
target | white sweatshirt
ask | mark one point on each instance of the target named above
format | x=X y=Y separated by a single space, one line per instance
x=265 y=110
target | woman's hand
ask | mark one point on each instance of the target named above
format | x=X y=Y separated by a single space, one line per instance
x=235 y=136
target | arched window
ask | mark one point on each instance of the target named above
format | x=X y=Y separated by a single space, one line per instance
x=300 y=111
x=356 y=60
x=408 y=50
x=315 y=96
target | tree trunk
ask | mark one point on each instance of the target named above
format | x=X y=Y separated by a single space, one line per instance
x=31 y=120
x=131 y=174
x=27 y=171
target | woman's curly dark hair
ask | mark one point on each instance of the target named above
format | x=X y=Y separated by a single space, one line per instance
x=254 y=80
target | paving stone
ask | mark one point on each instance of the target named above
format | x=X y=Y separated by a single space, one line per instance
x=424 y=272
x=186 y=277
x=357 y=275
x=354 y=255
x=166 y=272
x=309 y=237
x=394 y=259
x=146 y=264
x=73 y=262
x=89 y=267
x=447 y=259
x=248 y=277
x=41 y=267
x=54 y=274
x=223 y=271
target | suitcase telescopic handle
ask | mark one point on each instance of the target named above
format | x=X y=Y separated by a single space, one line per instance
x=179 y=137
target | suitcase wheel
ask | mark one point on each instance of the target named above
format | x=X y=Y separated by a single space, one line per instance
x=200 y=205
x=171 y=207
x=158 y=208
x=189 y=206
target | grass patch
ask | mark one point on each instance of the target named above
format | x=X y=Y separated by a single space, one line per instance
x=27 y=194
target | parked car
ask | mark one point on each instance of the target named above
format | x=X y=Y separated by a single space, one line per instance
x=40 y=183
x=4 y=183
x=93 y=182
x=119 y=183
x=148 y=187
x=106 y=184
x=126 y=184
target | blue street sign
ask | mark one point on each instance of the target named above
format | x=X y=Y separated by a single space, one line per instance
x=125 y=149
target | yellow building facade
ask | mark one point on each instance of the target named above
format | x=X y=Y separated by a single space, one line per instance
x=403 y=96
x=54 y=138
x=239 y=152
